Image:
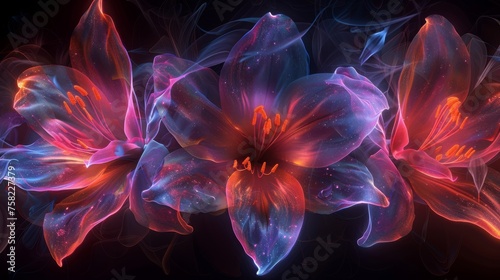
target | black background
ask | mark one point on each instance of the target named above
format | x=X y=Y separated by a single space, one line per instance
x=212 y=251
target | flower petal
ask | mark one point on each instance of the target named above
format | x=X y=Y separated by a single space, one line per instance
x=196 y=123
x=149 y=214
x=71 y=220
x=189 y=184
x=459 y=201
x=41 y=167
x=60 y=105
x=395 y=221
x=341 y=185
x=481 y=130
x=329 y=117
x=422 y=162
x=260 y=66
x=115 y=149
x=266 y=214
x=97 y=50
x=437 y=66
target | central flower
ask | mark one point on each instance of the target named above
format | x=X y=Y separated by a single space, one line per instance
x=264 y=139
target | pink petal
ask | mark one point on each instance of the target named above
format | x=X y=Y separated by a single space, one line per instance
x=260 y=66
x=395 y=221
x=71 y=220
x=60 y=105
x=97 y=50
x=437 y=66
x=266 y=214
x=458 y=201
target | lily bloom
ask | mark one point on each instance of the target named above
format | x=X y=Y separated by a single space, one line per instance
x=91 y=138
x=265 y=139
x=448 y=124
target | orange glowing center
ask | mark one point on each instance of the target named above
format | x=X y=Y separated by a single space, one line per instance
x=449 y=121
x=77 y=103
x=266 y=132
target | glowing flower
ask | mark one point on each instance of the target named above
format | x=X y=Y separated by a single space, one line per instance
x=91 y=138
x=448 y=123
x=277 y=144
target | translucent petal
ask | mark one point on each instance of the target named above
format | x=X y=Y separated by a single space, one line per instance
x=260 y=66
x=458 y=201
x=41 y=167
x=196 y=123
x=71 y=220
x=97 y=50
x=329 y=116
x=395 y=221
x=437 y=66
x=115 y=150
x=150 y=214
x=66 y=109
x=422 y=162
x=189 y=184
x=338 y=186
x=266 y=214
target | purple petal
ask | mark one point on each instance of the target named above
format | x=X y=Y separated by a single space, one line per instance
x=42 y=167
x=395 y=221
x=195 y=122
x=116 y=149
x=338 y=186
x=150 y=214
x=189 y=184
x=71 y=220
x=329 y=116
x=260 y=66
x=266 y=214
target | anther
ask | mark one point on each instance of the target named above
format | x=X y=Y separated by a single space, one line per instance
x=460 y=151
x=283 y=128
x=68 y=109
x=452 y=150
x=96 y=93
x=463 y=122
x=246 y=160
x=81 y=90
x=71 y=98
x=469 y=152
x=235 y=164
x=274 y=168
x=263 y=168
x=277 y=120
x=439 y=157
